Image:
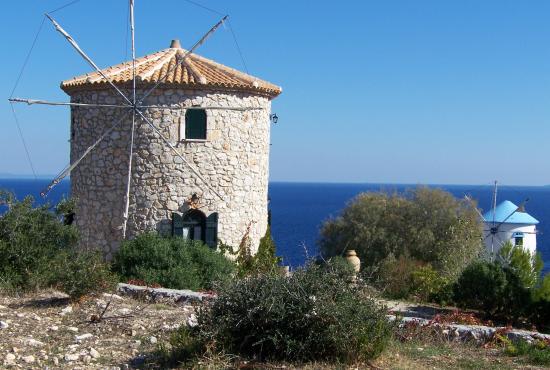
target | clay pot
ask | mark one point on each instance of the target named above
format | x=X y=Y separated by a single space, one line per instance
x=352 y=258
x=285 y=270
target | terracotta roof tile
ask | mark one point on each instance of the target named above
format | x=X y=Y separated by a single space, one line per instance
x=195 y=72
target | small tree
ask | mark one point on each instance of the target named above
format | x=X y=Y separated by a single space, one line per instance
x=29 y=239
x=526 y=265
x=429 y=225
x=264 y=261
x=482 y=286
x=38 y=249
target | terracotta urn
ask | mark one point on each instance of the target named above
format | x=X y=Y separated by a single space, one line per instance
x=285 y=270
x=352 y=258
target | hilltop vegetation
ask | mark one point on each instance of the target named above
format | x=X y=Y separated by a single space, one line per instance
x=321 y=316
x=426 y=246
x=422 y=226
x=39 y=250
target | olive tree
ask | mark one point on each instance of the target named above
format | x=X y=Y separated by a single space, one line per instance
x=427 y=225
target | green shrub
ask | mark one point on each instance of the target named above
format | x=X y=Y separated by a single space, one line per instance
x=542 y=290
x=525 y=265
x=80 y=273
x=264 y=261
x=183 y=350
x=539 y=314
x=339 y=266
x=66 y=208
x=495 y=289
x=171 y=262
x=427 y=225
x=539 y=310
x=30 y=239
x=536 y=353
x=429 y=286
x=394 y=277
x=315 y=314
x=38 y=250
x=481 y=286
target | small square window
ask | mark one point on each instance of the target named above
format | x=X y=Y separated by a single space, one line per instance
x=194 y=127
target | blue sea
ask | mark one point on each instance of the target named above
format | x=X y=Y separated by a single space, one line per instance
x=299 y=209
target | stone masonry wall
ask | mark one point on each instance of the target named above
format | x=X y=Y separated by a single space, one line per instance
x=234 y=160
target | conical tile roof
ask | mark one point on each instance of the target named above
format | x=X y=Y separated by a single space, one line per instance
x=195 y=72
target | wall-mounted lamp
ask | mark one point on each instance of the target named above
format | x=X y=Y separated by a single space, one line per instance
x=273 y=117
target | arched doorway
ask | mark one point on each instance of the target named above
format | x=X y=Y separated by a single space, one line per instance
x=195 y=225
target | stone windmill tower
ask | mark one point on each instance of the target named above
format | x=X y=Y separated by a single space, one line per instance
x=216 y=117
x=171 y=142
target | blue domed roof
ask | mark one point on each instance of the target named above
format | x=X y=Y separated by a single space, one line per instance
x=503 y=212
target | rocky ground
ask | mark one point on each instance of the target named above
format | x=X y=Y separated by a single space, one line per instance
x=44 y=331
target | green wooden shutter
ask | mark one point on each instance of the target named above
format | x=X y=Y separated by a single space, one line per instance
x=195 y=124
x=212 y=230
x=177 y=225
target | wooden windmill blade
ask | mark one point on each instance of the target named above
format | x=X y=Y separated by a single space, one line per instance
x=131 y=104
x=469 y=198
x=71 y=166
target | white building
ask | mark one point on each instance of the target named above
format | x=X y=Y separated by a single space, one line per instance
x=504 y=224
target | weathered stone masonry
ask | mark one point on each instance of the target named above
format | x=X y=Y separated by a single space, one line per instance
x=234 y=158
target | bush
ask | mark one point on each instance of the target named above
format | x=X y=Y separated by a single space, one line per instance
x=537 y=352
x=492 y=288
x=264 y=261
x=406 y=278
x=394 y=277
x=427 y=225
x=30 y=238
x=171 y=262
x=429 y=286
x=540 y=305
x=315 y=314
x=481 y=286
x=524 y=264
x=80 y=273
x=38 y=250
x=542 y=290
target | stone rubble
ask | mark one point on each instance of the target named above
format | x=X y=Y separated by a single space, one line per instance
x=34 y=343
x=476 y=333
x=180 y=296
x=71 y=341
x=94 y=354
x=69 y=357
x=28 y=359
x=80 y=338
x=66 y=310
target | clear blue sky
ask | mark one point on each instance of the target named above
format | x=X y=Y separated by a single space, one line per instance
x=373 y=91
